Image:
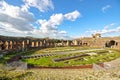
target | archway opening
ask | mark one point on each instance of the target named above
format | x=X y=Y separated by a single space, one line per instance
x=110 y=43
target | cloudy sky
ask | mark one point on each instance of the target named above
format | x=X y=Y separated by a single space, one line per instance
x=63 y=19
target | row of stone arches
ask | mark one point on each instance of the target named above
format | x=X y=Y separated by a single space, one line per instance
x=12 y=44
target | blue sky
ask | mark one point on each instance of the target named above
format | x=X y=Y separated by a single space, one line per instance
x=63 y=19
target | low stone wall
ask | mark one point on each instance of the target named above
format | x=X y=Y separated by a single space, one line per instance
x=91 y=66
x=66 y=67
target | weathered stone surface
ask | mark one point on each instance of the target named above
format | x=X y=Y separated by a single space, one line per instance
x=18 y=44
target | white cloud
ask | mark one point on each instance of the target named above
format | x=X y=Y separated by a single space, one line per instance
x=14 y=17
x=108 y=26
x=106 y=30
x=105 y=8
x=63 y=32
x=42 y=5
x=56 y=19
x=51 y=24
x=19 y=21
x=73 y=15
x=116 y=30
x=50 y=27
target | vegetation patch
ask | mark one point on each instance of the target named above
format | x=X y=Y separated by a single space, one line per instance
x=65 y=56
x=72 y=58
x=60 y=74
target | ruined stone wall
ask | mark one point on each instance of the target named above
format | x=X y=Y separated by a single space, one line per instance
x=111 y=42
x=18 y=44
x=23 y=44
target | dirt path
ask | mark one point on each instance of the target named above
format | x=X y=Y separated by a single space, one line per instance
x=69 y=52
x=112 y=64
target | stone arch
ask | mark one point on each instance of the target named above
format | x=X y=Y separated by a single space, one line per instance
x=6 y=45
x=41 y=43
x=110 y=43
x=36 y=44
x=2 y=45
x=11 y=43
x=33 y=44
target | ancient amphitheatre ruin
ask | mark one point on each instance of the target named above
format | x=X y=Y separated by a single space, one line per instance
x=25 y=43
x=50 y=55
x=59 y=40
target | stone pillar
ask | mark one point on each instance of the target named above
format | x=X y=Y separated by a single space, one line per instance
x=28 y=44
x=33 y=44
x=41 y=44
x=28 y=41
x=36 y=44
x=44 y=43
x=68 y=43
x=1 y=45
x=118 y=45
x=6 y=45
x=23 y=44
x=75 y=42
x=11 y=45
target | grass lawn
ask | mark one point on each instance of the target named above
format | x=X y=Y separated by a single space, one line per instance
x=63 y=74
x=102 y=56
x=105 y=56
x=4 y=59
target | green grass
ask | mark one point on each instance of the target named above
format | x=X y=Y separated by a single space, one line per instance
x=62 y=74
x=4 y=59
x=60 y=49
x=48 y=61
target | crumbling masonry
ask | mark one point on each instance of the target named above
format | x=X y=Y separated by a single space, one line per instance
x=23 y=44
